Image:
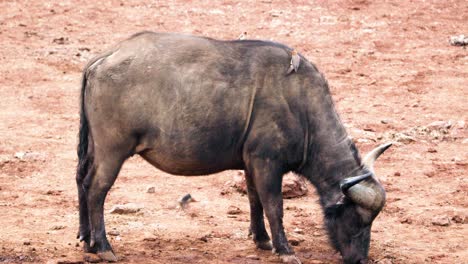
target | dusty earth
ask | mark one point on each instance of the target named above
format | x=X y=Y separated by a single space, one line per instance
x=392 y=73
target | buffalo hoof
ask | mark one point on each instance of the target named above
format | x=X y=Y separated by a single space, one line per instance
x=265 y=245
x=290 y=259
x=108 y=256
x=87 y=248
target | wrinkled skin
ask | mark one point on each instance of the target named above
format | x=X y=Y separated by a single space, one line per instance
x=195 y=106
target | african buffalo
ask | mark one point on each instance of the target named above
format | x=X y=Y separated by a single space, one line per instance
x=194 y=106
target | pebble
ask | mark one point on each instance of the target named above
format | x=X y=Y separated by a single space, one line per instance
x=298 y=231
x=294 y=242
x=255 y=257
x=397 y=173
x=441 y=221
x=113 y=233
x=406 y=220
x=431 y=150
x=459 y=219
x=151 y=189
x=233 y=210
x=57 y=227
x=129 y=208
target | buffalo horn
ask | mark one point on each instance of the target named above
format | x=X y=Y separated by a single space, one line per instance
x=374 y=154
x=365 y=190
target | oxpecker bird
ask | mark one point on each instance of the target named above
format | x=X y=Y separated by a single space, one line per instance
x=295 y=62
x=242 y=36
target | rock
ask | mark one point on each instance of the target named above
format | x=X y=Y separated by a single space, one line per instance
x=57 y=227
x=20 y=155
x=460 y=219
x=402 y=138
x=233 y=210
x=294 y=242
x=441 y=221
x=151 y=189
x=294 y=186
x=397 y=173
x=237 y=183
x=149 y=238
x=113 y=233
x=317 y=234
x=406 y=220
x=129 y=208
x=431 y=150
x=460 y=40
x=385 y=261
x=440 y=125
x=27 y=243
x=255 y=257
x=298 y=231
x=30 y=156
x=430 y=174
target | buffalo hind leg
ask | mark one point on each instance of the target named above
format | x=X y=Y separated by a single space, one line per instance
x=267 y=176
x=83 y=231
x=257 y=223
x=107 y=169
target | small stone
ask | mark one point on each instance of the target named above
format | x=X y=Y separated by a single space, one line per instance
x=441 y=221
x=151 y=189
x=204 y=238
x=438 y=125
x=385 y=261
x=459 y=219
x=430 y=174
x=294 y=242
x=406 y=220
x=129 y=208
x=233 y=210
x=384 y=121
x=255 y=257
x=298 y=231
x=113 y=233
x=57 y=227
x=27 y=243
x=431 y=150
x=317 y=234
x=149 y=239
x=397 y=173
x=294 y=186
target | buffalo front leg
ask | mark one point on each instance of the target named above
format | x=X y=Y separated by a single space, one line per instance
x=104 y=177
x=257 y=223
x=267 y=177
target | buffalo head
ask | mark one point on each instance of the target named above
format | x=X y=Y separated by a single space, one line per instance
x=349 y=221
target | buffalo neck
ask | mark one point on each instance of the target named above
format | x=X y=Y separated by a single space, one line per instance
x=332 y=155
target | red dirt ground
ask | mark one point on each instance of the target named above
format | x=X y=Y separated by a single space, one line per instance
x=391 y=70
